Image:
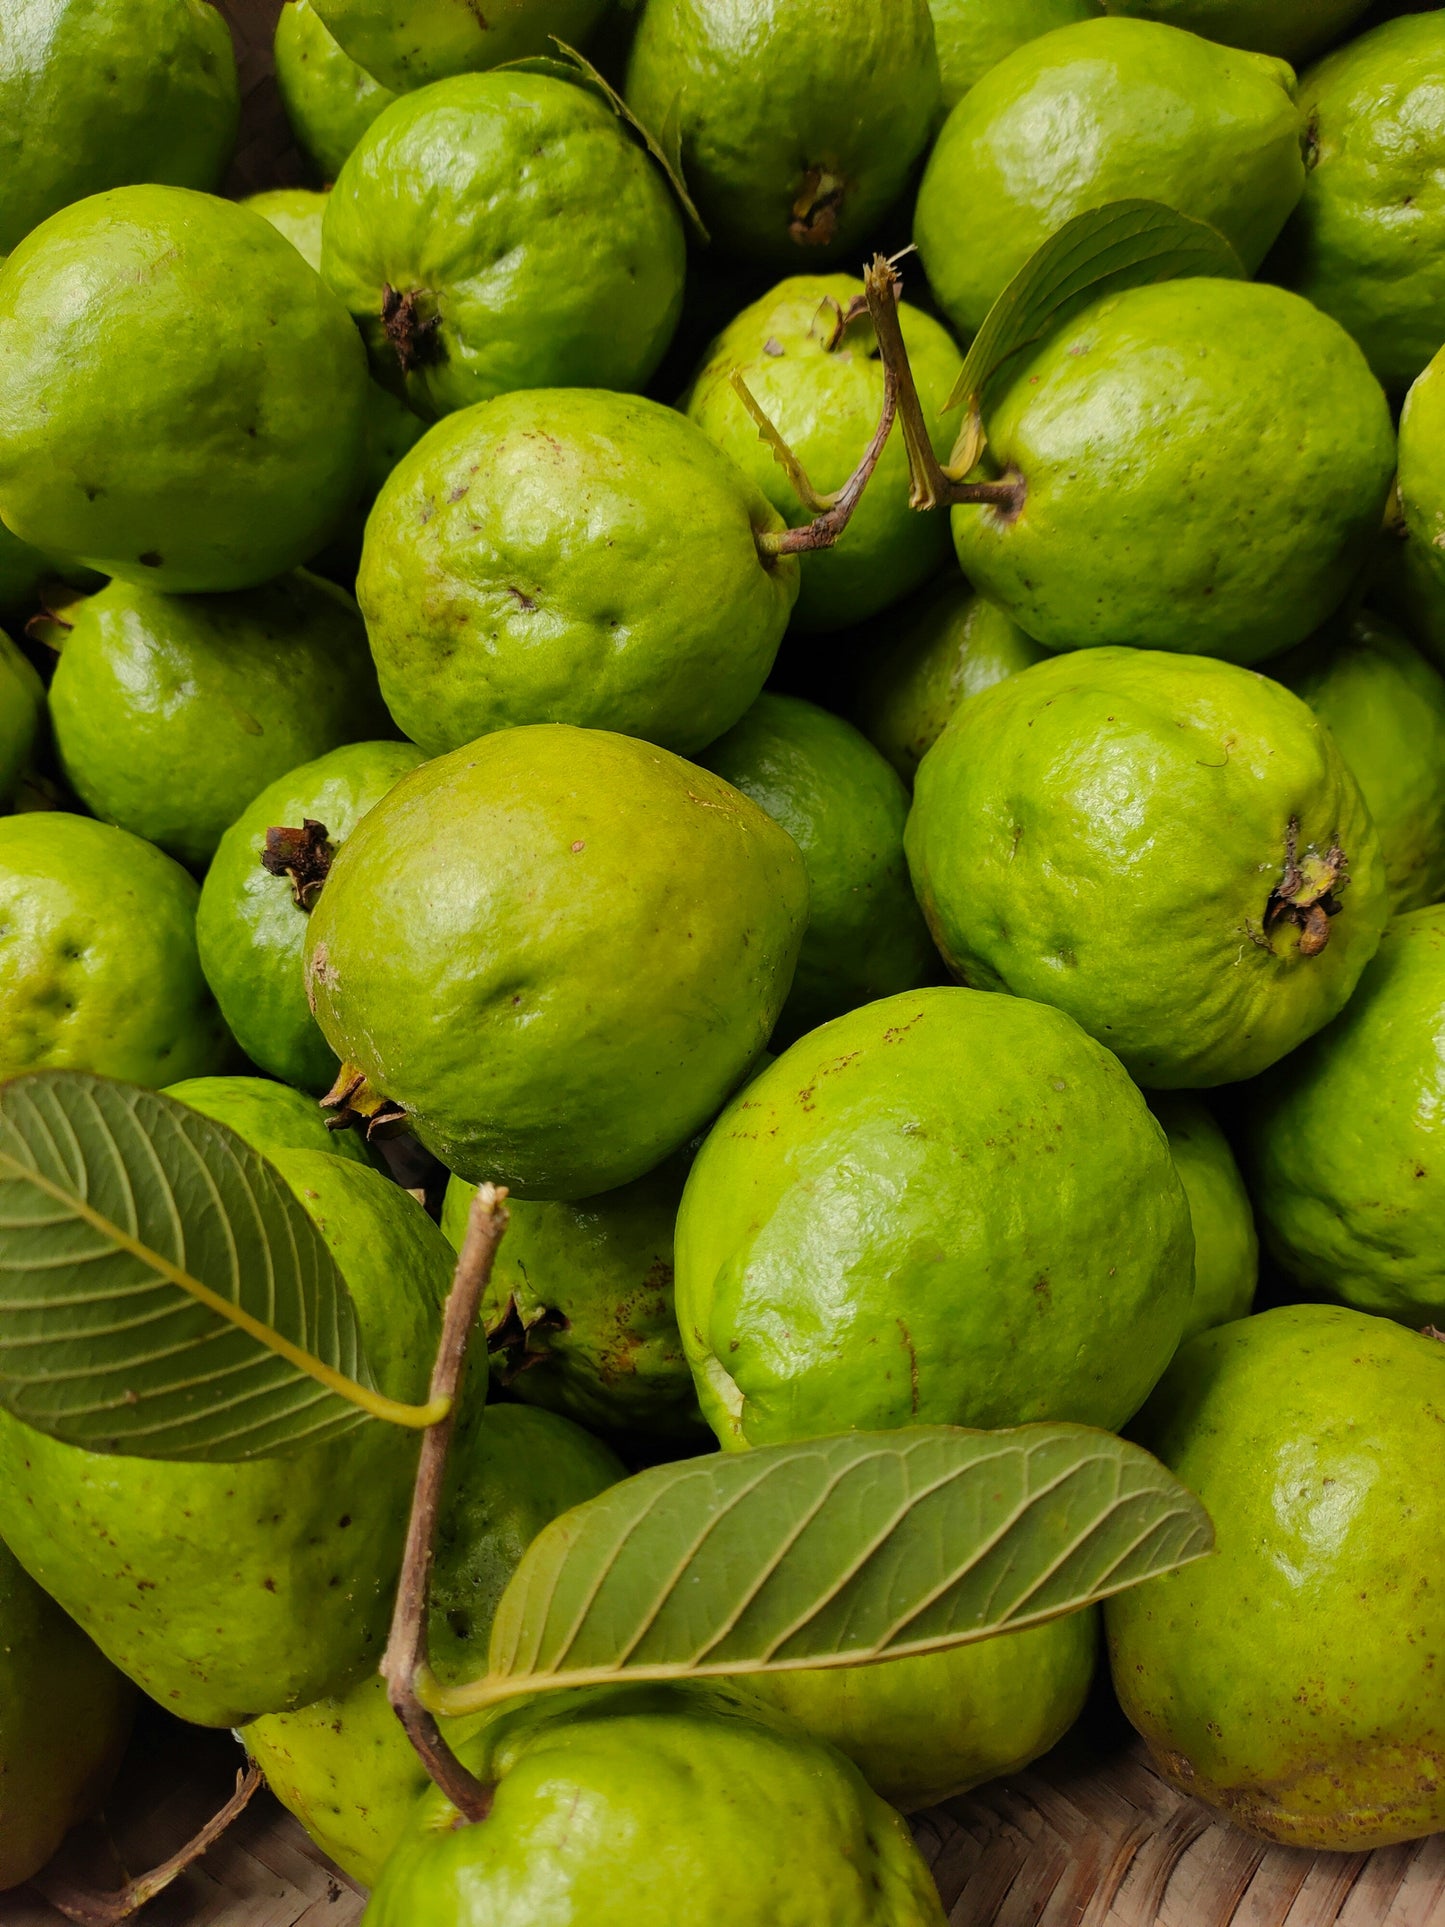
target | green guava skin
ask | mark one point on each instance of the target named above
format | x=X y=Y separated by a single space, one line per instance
x=391 y=427
x=974 y=35
x=943 y=1208
x=182 y=401
x=1204 y=467
x=558 y=950
x=825 y=401
x=272 y=1118
x=1296 y=1680
x=926 y=1729
x=590 y=1284
x=229 y=1591
x=1039 y=852
x=1405 y=586
x=410 y=43
x=1421 y=484
x=1367 y=242
x=250 y=930
x=98 y=93
x=330 y=101
x=1133 y=110
x=1344 y=1145
x=98 y=966
x=344 y=1766
x=798 y=127
x=925 y=659
x=623 y=1807
x=22 y=714
x=1384 y=705
x=1226 y=1244
x=171 y=713
x=296 y=212
x=65 y=1716
x=1292 y=30
x=845 y=809
x=539 y=241
x=571 y=556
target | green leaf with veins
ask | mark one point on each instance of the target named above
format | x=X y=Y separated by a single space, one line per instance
x=163 y=1293
x=831 y=1552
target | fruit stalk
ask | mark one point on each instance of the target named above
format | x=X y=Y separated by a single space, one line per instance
x=933 y=485
x=406 y=1664
x=91 y=1909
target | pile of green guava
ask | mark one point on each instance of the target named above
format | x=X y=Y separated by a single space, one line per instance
x=682 y=609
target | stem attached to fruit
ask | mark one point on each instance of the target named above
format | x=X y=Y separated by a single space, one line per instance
x=933 y=486
x=406 y=1665
x=823 y=531
x=91 y=1909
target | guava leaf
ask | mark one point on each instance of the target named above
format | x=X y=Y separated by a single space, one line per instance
x=163 y=1294
x=665 y=149
x=830 y=1552
x=1127 y=244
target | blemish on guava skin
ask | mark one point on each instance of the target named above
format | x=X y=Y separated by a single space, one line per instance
x=152 y=559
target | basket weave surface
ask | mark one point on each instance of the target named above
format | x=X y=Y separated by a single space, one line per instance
x=1091 y=1837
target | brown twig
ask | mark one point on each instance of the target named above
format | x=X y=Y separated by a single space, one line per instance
x=407 y=1660
x=823 y=531
x=932 y=485
x=92 y=1909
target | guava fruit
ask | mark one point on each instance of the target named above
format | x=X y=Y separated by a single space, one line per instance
x=1133 y=109
x=1421 y=482
x=228 y=1591
x=571 y=556
x=252 y=921
x=502 y=231
x=182 y=401
x=845 y=809
x=330 y=101
x=296 y=212
x=24 y=570
x=408 y=43
x=1367 y=242
x=1385 y=707
x=344 y=1766
x=98 y=93
x=1201 y=466
x=98 y=967
x=1345 y=1142
x=1404 y=585
x=65 y=1716
x=924 y=659
x=974 y=35
x=557 y=950
x=797 y=126
x=623 y=1807
x=944 y=1208
x=271 y=1117
x=1295 y=30
x=1169 y=848
x=579 y=1312
x=1294 y=1680
x=172 y=712
x=822 y=384
x=1226 y=1244
x=925 y=1729
x=22 y=712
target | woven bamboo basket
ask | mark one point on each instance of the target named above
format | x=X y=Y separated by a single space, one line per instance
x=1089 y=1837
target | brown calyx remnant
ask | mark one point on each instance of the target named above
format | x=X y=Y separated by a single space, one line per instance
x=1307 y=895
x=411 y=333
x=520 y=1342
x=815 y=212
x=356 y=1105
x=304 y=855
